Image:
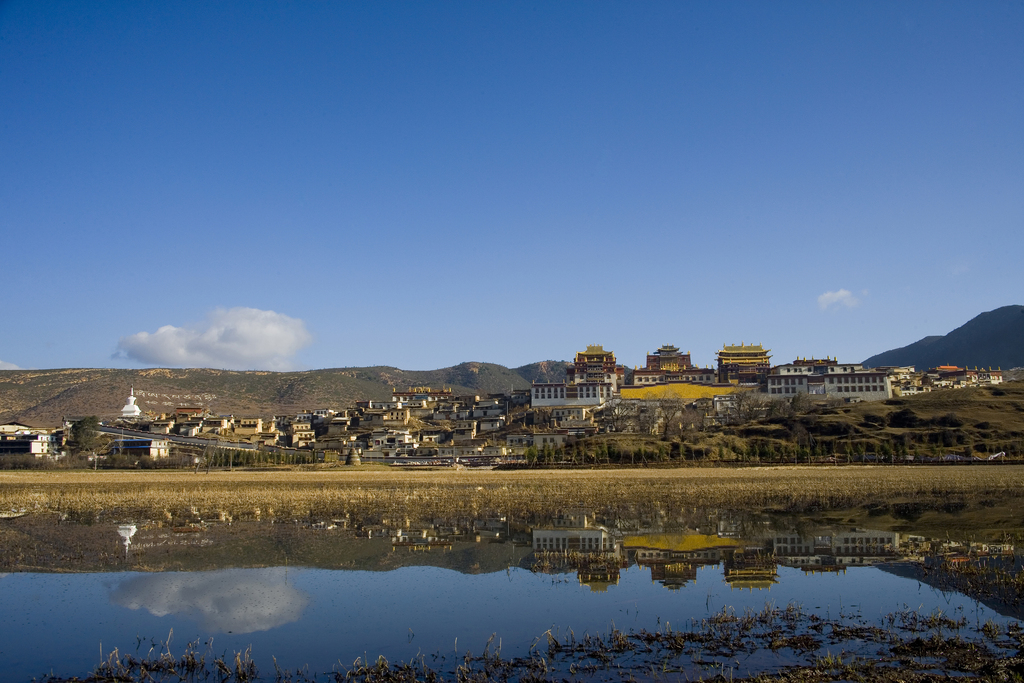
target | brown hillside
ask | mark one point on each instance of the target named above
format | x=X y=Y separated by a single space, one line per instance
x=979 y=420
x=44 y=397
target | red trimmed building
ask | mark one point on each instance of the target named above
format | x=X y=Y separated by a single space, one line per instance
x=591 y=379
x=669 y=365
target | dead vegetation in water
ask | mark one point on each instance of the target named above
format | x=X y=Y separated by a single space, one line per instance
x=198 y=662
x=982 y=578
x=326 y=494
x=591 y=565
x=803 y=647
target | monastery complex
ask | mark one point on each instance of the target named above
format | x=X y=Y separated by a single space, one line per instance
x=594 y=378
x=430 y=425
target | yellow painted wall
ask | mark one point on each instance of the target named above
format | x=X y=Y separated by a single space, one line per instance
x=681 y=390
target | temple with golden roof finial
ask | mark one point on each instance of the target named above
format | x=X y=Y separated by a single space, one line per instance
x=668 y=365
x=743 y=364
x=591 y=379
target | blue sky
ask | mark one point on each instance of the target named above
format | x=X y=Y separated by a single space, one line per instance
x=276 y=185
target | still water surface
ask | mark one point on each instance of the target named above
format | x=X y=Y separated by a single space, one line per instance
x=325 y=618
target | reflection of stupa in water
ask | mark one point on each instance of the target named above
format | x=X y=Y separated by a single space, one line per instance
x=130 y=409
x=126 y=531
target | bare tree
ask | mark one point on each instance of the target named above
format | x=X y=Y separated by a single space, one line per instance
x=691 y=422
x=703 y=415
x=622 y=416
x=800 y=434
x=694 y=419
x=777 y=407
x=647 y=417
x=672 y=410
x=750 y=406
x=801 y=403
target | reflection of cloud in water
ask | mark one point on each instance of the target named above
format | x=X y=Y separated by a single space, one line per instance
x=236 y=600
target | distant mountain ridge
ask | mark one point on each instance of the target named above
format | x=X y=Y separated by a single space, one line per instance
x=44 y=397
x=992 y=339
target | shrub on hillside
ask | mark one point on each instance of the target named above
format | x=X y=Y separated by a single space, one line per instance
x=22 y=462
x=833 y=429
x=949 y=420
x=904 y=419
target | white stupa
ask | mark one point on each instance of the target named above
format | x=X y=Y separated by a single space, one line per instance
x=130 y=409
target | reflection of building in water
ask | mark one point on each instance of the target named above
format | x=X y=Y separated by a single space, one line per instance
x=419 y=539
x=571 y=520
x=1005 y=548
x=574 y=532
x=491 y=529
x=674 y=558
x=864 y=546
x=836 y=551
x=955 y=550
x=573 y=542
x=674 y=575
x=730 y=528
x=442 y=533
x=751 y=568
x=598 y=578
x=698 y=548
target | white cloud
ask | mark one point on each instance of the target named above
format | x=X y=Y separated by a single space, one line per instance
x=8 y=366
x=234 y=338
x=841 y=297
x=231 y=600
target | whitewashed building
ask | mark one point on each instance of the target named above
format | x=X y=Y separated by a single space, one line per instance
x=848 y=381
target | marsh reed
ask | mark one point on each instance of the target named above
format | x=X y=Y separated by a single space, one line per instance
x=324 y=494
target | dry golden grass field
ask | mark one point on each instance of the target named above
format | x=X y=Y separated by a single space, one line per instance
x=325 y=494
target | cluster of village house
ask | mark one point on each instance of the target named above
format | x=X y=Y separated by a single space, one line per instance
x=426 y=422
